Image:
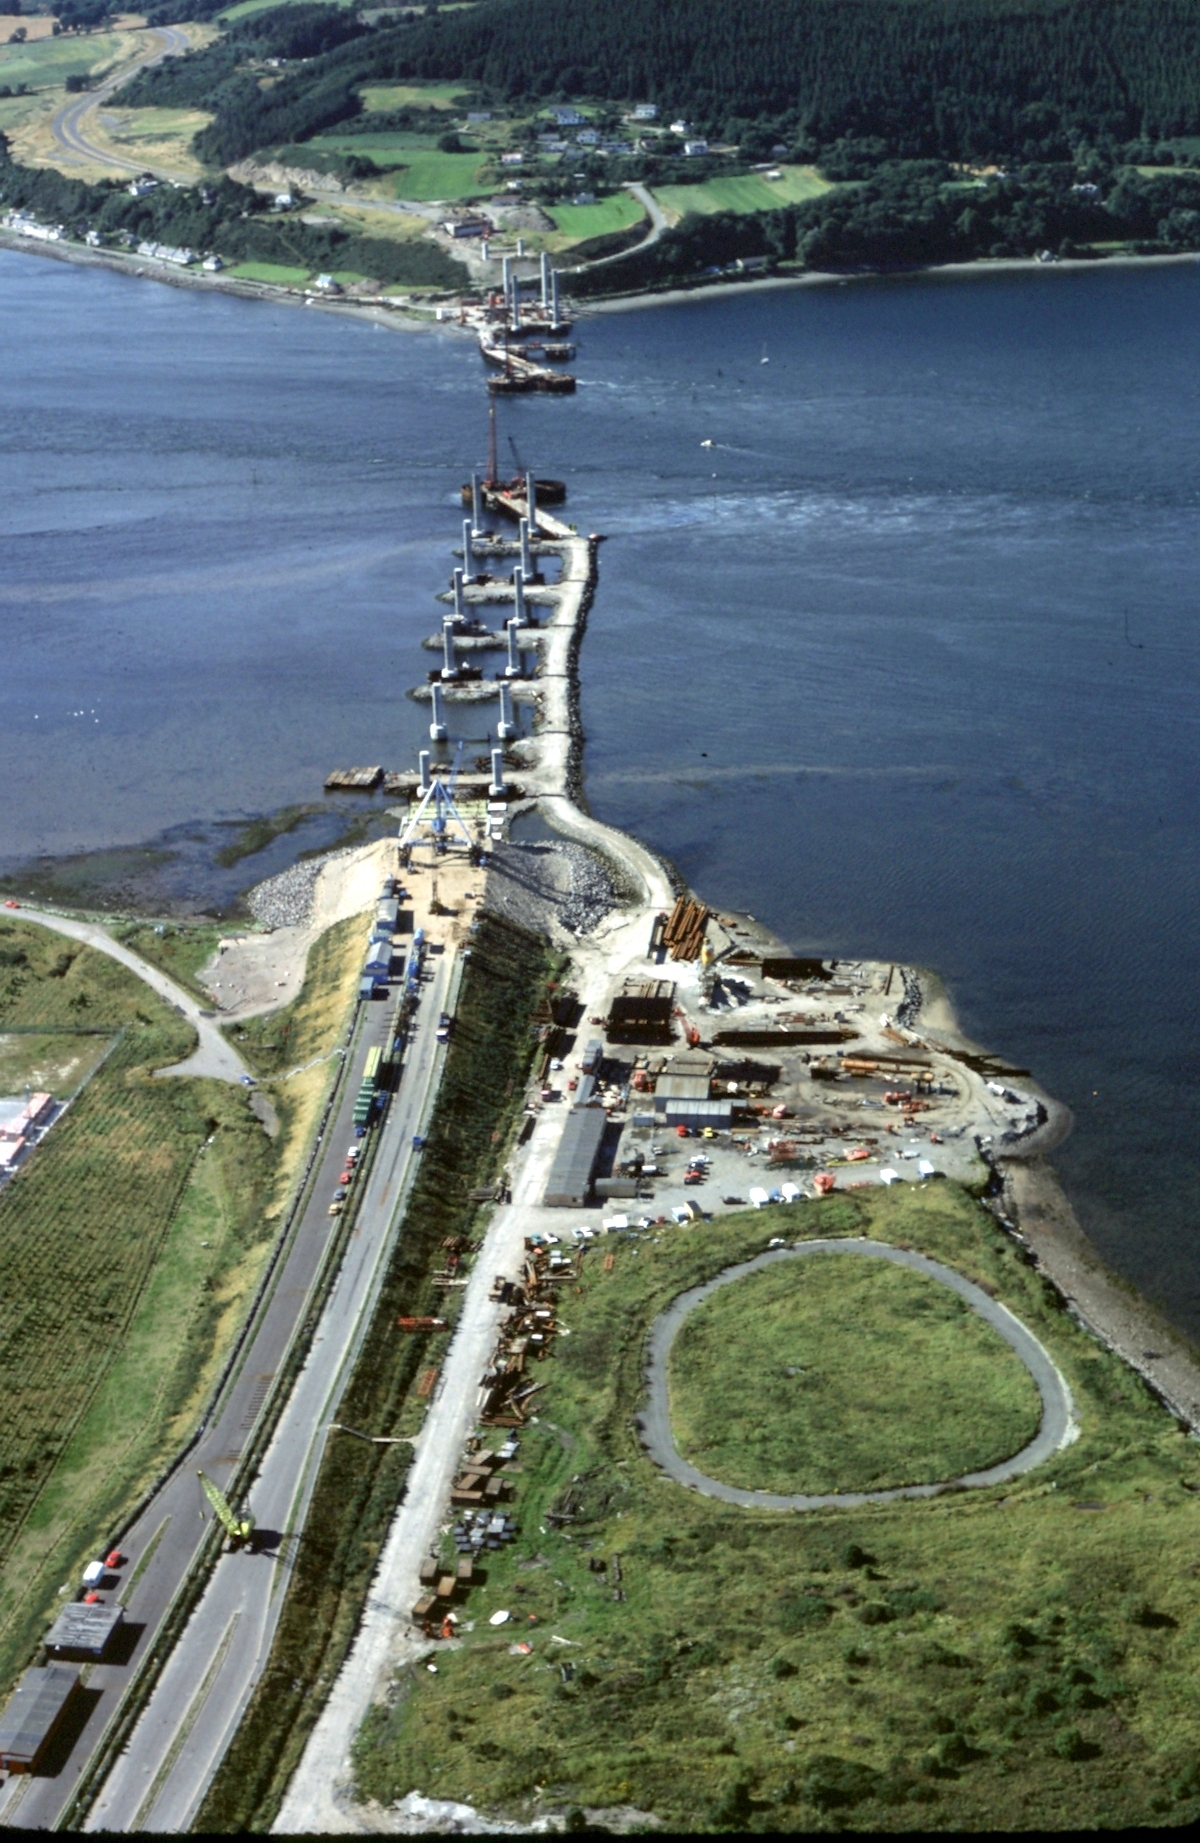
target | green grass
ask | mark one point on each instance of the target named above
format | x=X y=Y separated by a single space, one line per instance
x=830 y=1374
x=50 y=61
x=426 y=174
x=618 y=212
x=377 y=96
x=744 y=192
x=89 y=1240
x=358 y=1485
x=56 y=1063
x=276 y=272
x=261 y=6
x=179 y=949
x=1011 y=1659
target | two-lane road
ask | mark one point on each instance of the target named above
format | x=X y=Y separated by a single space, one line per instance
x=70 y=126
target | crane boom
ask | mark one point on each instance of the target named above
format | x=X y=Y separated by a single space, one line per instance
x=239 y=1529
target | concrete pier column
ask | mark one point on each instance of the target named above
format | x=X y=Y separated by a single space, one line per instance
x=468 y=553
x=460 y=606
x=555 y=314
x=513 y=668
x=449 y=658
x=531 y=502
x=507 y=281
x=519 y=595
x=526 y=562
x=520 y=246
x=545 y=280
x=476 y=507
x=506 y=726
x=437 y=727
x=515 y=308
x=485 y=250
x=497 y=786
x=423 y=765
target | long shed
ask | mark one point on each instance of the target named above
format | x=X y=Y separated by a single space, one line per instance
x=34 y=1715
x=570 y=1181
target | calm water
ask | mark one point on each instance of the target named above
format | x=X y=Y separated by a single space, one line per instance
x=906 y=661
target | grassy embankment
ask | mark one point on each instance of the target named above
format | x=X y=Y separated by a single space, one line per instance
x=358 y=1485
x=1023 y=1658
x=133 y=1244
x=810 y=1378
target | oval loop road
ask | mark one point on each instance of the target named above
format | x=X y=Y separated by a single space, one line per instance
x=1058 y=1426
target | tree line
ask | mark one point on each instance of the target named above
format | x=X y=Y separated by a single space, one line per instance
x=912 y=213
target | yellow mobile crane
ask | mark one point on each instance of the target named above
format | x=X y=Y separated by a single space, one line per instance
x=238 y=1529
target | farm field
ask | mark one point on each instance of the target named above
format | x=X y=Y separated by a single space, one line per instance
x=245 y=7
x=275 y=272
x=121 y=1237
x=33 y=25
x=48 y=62
x=53 y=1062
x=377 y=96
x=426 y=174
x=578 y=222
x=836 y=1375
x=1005 y=1659
x=744 y=192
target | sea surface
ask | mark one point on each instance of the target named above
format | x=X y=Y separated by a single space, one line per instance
x=897 y=640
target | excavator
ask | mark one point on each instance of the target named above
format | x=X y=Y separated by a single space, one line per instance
x=240 y=1530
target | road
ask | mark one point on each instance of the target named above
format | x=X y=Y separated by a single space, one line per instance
x=162 y=1544
x=1058 y=1418
x=158 y=1782
x=214 y=1056
x=68 y=126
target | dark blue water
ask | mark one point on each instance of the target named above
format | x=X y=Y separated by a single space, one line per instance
x=906 y=661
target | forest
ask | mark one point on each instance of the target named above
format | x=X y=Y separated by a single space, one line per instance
x=950 y=79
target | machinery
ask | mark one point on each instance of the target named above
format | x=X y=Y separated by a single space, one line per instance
x=238 y=1529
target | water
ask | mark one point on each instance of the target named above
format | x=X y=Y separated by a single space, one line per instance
x=905 y=662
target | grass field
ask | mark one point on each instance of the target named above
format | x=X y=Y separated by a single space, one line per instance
x=275 y=272
x=160 y=137
x=126 y=1239
x=178 y=948
x=1013 y=1659
x=261 y=6
x=744 y=192
x=55 y=1062
x=378 y=96
x=608 y=214
x=426 y=173
x=838 y=1375
x=48 y=62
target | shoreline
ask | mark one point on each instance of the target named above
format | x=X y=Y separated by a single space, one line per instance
x=410 y=318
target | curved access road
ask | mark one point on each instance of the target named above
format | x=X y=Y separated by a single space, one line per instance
x=215 y=1055
x=1057 y=1430
x=68 y=125
x=658 y=223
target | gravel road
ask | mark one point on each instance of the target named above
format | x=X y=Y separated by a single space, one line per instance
x=1058 y=1426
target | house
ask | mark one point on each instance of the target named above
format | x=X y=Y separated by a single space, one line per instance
x=569 y=118
x=138 y=188
x=645 y=111
x=325 y=284
x=584 y=198
x=513 y=159
x=468 y=227
x=34 y=1714
x=212 y=264
x=680 y=128
x=587 y=137
x=479 y=115
x=695 y=147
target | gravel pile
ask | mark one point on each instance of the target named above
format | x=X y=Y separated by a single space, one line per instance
x=530 y=884
x=286 y=901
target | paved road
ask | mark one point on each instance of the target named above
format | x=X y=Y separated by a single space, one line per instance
x=215 y=1055
x=1058 y=1426
x=160 y=1779
x=69 y=125
x=164 y=1540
